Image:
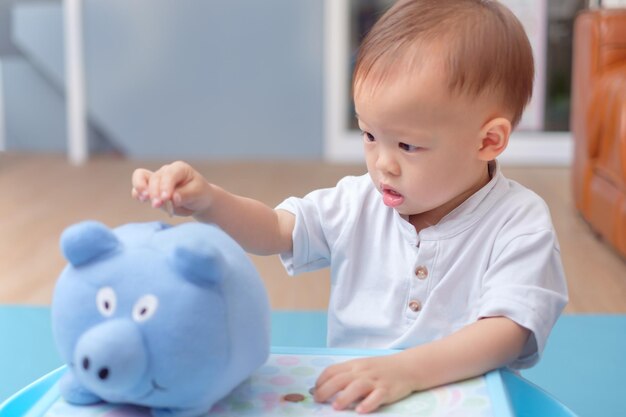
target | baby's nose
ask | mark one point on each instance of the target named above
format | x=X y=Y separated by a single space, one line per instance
x=387 y=163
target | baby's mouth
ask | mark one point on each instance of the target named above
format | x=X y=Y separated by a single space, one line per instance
x=392 y=198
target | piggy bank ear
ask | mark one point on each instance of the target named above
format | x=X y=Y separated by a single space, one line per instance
x=84 y=241
x=202 y=266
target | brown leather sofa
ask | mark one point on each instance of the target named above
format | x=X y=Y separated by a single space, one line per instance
x=598 y=122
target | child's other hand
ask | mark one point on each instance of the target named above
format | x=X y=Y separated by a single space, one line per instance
x=370 y=382
x=178 y=182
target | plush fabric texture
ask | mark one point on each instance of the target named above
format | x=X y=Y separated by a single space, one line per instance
x=171 y=318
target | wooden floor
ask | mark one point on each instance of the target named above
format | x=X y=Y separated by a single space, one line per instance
x=42 y=194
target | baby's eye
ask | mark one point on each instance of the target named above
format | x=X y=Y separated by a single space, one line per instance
x=408 y=148
x=368 y=137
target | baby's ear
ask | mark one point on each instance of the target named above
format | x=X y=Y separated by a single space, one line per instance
x=202 y=265
x=84 y=241
x=494 y=138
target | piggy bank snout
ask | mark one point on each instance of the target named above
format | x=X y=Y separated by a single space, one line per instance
x=111 y=357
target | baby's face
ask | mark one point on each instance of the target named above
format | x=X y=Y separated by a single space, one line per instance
x=421 y=143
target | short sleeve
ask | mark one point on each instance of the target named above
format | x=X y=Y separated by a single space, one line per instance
x=526 y=283
x=322 y=218
x=310 y=247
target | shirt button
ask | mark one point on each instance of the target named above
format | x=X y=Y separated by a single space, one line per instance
x=415 y=306
x=421 y=272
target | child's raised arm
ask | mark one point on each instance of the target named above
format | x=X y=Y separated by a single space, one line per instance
x=257 y=227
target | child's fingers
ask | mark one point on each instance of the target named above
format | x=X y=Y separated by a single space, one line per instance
x=173 y=176
x=140 y=180
x=356 y=390
x=170 y=188
x=330 y=372
x=375 y=399
x=154 y=189
x=135 y=194
x=323 y=392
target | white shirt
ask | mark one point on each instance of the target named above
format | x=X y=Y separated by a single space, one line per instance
x=494 y=255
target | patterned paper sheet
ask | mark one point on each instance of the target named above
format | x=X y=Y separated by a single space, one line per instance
x=272 y=390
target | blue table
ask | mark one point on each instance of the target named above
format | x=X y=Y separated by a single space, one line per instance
x=582 y=366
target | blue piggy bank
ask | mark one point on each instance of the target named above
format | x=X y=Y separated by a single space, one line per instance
x=172 y=318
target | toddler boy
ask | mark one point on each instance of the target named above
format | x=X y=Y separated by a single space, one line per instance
x=433 y=251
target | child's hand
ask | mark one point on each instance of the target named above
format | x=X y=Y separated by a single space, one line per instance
x=178 y=182
x=372 y=381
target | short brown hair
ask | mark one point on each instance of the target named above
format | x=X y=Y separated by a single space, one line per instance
x=486 y=48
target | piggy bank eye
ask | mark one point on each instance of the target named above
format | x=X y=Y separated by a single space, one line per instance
x=145 y=308
x=106 y=301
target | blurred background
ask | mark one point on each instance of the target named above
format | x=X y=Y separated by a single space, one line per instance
x=256 y=96
x=165 y=79
x=215 y=79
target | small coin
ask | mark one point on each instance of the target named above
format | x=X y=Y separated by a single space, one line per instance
x=293 y=398
x=168 y=207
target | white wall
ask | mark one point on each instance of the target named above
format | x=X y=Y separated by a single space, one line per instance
x=607 y=3
x=2 y=117
x=190 y=78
